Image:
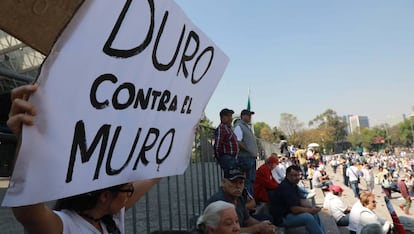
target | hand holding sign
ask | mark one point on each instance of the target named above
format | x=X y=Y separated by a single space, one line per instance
x=118 y=98
x=22 y=111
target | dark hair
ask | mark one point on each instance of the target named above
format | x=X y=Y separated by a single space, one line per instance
x=170 y=232
x=293 y=167
x=86 y=201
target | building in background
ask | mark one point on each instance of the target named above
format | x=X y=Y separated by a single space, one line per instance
x=345 y=119
x=355 y=122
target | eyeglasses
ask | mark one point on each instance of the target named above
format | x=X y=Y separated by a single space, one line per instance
x=129 y=190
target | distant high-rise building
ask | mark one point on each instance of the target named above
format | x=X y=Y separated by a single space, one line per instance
x=345 y=119
x=357 y=122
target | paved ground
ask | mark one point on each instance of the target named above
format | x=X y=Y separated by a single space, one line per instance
x=348 y=196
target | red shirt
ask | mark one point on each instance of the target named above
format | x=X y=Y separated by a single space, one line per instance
x=264 y=181
x=225 y=141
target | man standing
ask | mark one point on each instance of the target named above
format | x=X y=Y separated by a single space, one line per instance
x=265 y=182
x=231 y=191
x=248 y=148
x=226 y=146
x=353 y=174
x=283 y=146
x=300 y=154
x=286 y=207
x=405 y=194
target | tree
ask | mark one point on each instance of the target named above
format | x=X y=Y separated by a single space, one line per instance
x=277 y=133
x=258 y=127
x=206 y=121
x=369 y=139
x=332 y=128
x=355 y=138
x=289 y=124
x=306 y=136
x=266 y=134
x=405 y=133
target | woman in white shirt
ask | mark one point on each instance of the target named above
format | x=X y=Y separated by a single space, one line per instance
x=367 y=214
x=354 y=217
x=95 y=212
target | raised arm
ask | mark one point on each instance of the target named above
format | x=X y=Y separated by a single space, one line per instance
x=37 y=218
x=21 y=111
x=141 y=187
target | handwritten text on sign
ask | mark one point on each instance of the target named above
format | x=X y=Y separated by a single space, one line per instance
x=119 y=97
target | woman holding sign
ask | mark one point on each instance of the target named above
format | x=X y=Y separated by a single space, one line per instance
x=100 y=211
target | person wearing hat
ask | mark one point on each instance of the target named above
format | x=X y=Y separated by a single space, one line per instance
x=232 y=191
x=265 y=182
x=226 y=147
x=337 y=208
x=248 y=147
x=402 y=186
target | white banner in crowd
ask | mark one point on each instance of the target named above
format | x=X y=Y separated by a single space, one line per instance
x=119 y=98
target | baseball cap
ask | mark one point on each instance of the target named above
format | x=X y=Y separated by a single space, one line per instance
x=234 y=173
x=226 y=111
x=246 y=112
x=336 y=188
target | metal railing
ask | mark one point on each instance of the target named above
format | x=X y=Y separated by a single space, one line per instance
x=177 y=201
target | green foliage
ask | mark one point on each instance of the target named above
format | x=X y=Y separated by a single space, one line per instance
x=332 y=129
x=258 y=128
x=206 y=122
x=406 y=132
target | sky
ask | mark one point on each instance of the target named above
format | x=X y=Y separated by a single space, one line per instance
x=303 y=57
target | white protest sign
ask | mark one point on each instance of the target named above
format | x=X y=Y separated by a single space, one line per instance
x=119 y=97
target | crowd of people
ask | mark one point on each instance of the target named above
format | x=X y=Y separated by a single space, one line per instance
x=278 y=192
x=249 y=200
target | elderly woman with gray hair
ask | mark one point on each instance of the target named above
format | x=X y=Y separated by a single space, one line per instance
x=218 y=218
